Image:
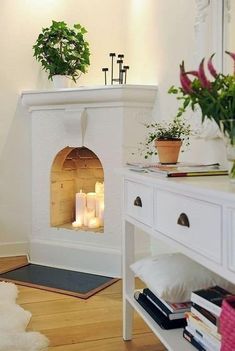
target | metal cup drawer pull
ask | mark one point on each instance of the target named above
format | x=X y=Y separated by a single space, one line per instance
x=183 y=220
x=138 y=202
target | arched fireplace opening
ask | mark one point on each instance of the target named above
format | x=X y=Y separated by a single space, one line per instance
x=77 y=190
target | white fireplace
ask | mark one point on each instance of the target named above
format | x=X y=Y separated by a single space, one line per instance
x=74 y=129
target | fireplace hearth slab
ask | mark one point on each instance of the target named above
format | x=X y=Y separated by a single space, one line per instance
x=78 y=284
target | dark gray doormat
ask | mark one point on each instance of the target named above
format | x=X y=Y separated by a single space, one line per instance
x=62 y=281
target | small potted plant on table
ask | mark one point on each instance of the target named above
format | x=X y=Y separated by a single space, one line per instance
x=63 y=51
x=166 y=138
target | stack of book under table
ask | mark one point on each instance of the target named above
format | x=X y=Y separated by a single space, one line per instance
x=167 y=315
x=199 y=317
x=202 y=329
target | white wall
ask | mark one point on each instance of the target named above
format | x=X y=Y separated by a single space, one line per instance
x=154 y=35
x=160 y=36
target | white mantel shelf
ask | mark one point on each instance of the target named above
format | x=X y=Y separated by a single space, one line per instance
x=90 y=96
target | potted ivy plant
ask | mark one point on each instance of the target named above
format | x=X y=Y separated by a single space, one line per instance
x=165 y=139
x=63 y=51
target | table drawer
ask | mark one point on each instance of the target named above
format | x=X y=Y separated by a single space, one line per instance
x=139 y=202
x=195 y=224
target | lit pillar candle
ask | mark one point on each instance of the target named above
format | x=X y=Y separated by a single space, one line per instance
x=101 y=214
x=78 y=223
x=90 y=201
x=80 y=205
x=99 y=188
x=99 y=202
x=88 y=215
x=94 y=223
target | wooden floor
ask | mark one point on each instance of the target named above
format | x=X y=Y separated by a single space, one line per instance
x=73 y=324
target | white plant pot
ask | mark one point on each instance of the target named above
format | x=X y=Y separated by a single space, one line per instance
x=60 y=81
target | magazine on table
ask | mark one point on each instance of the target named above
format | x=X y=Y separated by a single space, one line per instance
x=180 y=169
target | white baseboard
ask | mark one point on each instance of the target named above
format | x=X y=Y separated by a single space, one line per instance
x=82 y=258
x=14 y=249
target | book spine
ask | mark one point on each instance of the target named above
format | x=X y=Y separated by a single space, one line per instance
x=211 y=307
x=182 y=174
x=201 y=328
x=162 y=308
x=204 y=319
x=196 y=174
x=170 y=308
x=157 y=300
x=159 y=307
x=209 y=342
x=190 y=338
x=153 y=298
x=140 y=298
x=210 y=316
x=156 y=315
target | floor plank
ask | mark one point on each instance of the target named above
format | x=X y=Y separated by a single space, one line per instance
x=142 y=342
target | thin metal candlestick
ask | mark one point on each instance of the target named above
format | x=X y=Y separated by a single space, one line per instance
x=120 y=62
x=123 y=73
x=112 y=55
x=120 y=59
x=126 y=68
x=105 y=70
x=122 y=76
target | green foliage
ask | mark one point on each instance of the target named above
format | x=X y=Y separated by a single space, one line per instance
x=63 y=50
x=173 y=130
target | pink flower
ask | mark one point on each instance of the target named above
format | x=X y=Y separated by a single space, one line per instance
x=232 y=54
x=202 y=76
x=211 y=67
x=193 y=73
x=186 y=83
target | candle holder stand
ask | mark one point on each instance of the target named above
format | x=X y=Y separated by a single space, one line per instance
x=122 y=70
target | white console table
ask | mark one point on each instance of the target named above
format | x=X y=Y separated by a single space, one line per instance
x=196 y=214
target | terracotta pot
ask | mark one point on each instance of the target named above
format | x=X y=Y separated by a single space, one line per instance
x=168 y=150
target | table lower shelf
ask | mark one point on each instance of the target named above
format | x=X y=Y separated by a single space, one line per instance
x=172 y=339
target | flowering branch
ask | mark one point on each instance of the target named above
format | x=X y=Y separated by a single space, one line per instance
x=215 y=98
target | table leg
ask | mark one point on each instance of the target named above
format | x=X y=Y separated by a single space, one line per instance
x=128 y=278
